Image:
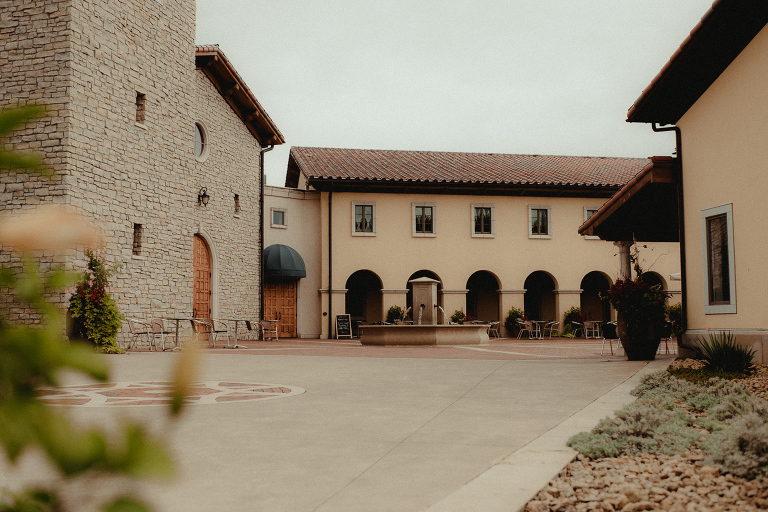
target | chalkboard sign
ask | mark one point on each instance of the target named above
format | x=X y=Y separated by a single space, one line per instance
x=343 y=326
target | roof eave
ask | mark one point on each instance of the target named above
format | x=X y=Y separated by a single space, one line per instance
x=212 y=61
x=724 y=31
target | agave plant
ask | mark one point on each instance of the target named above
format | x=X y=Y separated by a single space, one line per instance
x=721 y=353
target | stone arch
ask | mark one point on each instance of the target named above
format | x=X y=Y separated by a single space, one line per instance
x=483 y=296
x=653 y=278
x=593 y=285
x=363 y=302
x=540 y=300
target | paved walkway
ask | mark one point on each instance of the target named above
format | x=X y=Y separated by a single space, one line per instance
x=377 y=428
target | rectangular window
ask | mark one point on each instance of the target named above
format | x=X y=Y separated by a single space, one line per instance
x=363 y=219
x=717 y=245
x=588 y=212
x=141 y=102
x=483 y=221
x=539 y=221
x=237 y=204
x=423 y=219
x=137 y=232
x=278 y=218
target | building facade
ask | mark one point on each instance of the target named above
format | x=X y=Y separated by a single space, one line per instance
x=713 y=95
x=142 y=126
x=495 y=231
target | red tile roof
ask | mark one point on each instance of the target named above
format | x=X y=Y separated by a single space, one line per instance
x=332 y=164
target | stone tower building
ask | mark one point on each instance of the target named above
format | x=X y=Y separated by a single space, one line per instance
x=127 y=94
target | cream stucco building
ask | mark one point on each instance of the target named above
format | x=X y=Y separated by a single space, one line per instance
x=714 y=95
x=496 y=231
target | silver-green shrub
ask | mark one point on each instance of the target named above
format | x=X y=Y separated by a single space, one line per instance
x=743 y=448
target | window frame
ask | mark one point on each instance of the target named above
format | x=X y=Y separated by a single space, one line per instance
x=423 y=234
x=472 y=209
x=720 y=307
x=372 y=204
x=586 y=217
x=206 y=143
x=272 y=223
x=548 y=208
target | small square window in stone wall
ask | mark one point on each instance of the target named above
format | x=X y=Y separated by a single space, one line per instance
x=141 y=102
x=137 y=232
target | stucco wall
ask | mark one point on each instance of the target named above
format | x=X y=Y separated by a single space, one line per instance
x=454 y=255
x=302 y=232
x=724 y=158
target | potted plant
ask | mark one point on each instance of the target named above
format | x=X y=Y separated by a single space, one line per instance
x=510 y=323
x=395 y=315
x=458 y=317
x=641 y=316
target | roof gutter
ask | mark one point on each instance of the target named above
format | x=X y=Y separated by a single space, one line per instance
x=681 y=220
x=261 y=228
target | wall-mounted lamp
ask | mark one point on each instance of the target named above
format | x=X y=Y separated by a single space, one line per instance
x=203 y=197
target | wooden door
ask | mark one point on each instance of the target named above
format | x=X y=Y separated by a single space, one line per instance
x=201 y=263
x=280 y=304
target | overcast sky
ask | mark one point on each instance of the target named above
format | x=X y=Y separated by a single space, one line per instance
x=553 y=77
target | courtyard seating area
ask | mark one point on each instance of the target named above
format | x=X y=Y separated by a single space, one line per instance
x=156 y=333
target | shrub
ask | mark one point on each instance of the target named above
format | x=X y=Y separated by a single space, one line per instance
x=572 y=315
x=513 y=316
x=394 y=313
x=644 y=426
x=458 y=317
x=722 y=353
x=742 y=449
x=94 y=311
x=675 y=315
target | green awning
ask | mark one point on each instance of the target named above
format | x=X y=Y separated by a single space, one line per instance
x=283 y=261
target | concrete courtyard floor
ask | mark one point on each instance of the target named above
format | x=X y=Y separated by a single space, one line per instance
x=374 y=428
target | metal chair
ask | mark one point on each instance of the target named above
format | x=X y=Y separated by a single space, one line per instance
x=268 y=327
x=526 y=326
x=251 y=331
x=610 y=334
x=138 y=329
x=666 y=337
x=158 y=328
x=577 y=326
x=493 y=330
x=201 y=328
x=591 y=329
x=551 y=328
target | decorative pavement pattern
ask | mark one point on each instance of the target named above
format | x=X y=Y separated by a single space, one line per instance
x=159 y=393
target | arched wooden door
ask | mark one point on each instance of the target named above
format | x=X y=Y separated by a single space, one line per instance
x=201 y=263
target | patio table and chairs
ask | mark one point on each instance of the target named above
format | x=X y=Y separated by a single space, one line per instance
x=532 y=327
x=158 y=329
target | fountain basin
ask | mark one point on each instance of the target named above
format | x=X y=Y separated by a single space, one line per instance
x=473 y=334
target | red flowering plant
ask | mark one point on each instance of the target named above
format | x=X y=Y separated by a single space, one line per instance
x=641 y=305
x=94 y=312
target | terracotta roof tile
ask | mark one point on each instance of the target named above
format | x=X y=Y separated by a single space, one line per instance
x=449 y=167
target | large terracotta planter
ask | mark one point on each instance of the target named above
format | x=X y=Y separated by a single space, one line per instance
x=641 y=345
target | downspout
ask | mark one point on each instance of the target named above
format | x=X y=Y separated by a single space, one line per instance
x=681 y=220
x=261 y=229
x=330 y=264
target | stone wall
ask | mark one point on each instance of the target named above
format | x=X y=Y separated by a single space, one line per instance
x=93 y=62
x=231 y=167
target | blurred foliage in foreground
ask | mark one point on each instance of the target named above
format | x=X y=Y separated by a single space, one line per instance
x=91 y=463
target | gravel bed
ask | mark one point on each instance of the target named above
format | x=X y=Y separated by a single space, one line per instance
x=679 y=483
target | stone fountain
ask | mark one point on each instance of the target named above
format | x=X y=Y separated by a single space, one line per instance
x=425 y=330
